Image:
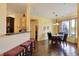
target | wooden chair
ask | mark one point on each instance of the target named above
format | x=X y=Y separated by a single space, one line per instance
x=65 y=39
x=52 y=38
x=60 y=38
x=28 y=47
x=49 y=36
x=33 y=42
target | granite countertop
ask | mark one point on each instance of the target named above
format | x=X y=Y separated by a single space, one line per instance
x=9 y=34
x=8 y=42
x=15 y=33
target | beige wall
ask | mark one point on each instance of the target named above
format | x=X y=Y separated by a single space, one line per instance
x=78 y=27
x=33 y=24
x=3 y=13
x=17 y=19
x=27 y=13
x=42 y=33
x=43 y=23
x=17 y=23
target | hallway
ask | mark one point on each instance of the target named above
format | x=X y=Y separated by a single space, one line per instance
x=42 y=49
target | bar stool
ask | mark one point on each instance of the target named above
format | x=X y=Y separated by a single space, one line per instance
x=33 y=42
x=28 y=48
x=17 y=51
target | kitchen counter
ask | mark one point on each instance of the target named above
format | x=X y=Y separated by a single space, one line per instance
x=8 y=42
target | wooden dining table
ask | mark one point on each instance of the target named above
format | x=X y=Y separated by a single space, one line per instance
x=57 y=38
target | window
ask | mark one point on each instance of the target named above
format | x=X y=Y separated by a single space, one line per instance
x=72 y=23
x=69 y=27
x=73 y=28
x=65 y=27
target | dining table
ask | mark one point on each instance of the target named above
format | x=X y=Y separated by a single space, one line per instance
x=57 y=38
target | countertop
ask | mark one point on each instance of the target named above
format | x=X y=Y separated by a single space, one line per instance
x=8 y=42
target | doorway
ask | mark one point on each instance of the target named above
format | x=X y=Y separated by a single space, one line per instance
x=36 y=32
x=34 y=29
x=10 y=25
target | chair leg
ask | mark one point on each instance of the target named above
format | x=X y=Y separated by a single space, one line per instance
x=31 y=46
x=25 y=51
x=63 y=43
x=48 y=41
x=66 y=43
x=51 y=41
x=60 y=42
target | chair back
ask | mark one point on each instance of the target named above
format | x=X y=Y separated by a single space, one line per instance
x=65 y=37
x=49 y=35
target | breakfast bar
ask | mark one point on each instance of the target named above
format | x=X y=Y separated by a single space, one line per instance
x=8 y=42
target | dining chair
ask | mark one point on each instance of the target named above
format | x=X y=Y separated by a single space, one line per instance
x=52 y=38
x=49 y=36
x=61 y=37
x=65 y=39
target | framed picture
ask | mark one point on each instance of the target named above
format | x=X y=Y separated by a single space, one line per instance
x=47 y=27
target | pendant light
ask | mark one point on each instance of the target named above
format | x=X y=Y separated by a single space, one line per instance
x=56 y=21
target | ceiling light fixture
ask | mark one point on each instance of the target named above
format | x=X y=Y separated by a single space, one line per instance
x=56 y=20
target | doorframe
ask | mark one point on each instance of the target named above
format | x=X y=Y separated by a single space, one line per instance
x=7 y=22
x=35 y=28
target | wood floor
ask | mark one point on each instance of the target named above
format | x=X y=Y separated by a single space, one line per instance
x=45 y=49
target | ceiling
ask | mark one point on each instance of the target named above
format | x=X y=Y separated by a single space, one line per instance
x=16 y=7
x=49 y=10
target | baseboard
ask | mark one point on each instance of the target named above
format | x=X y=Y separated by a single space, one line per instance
x=71 y=42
